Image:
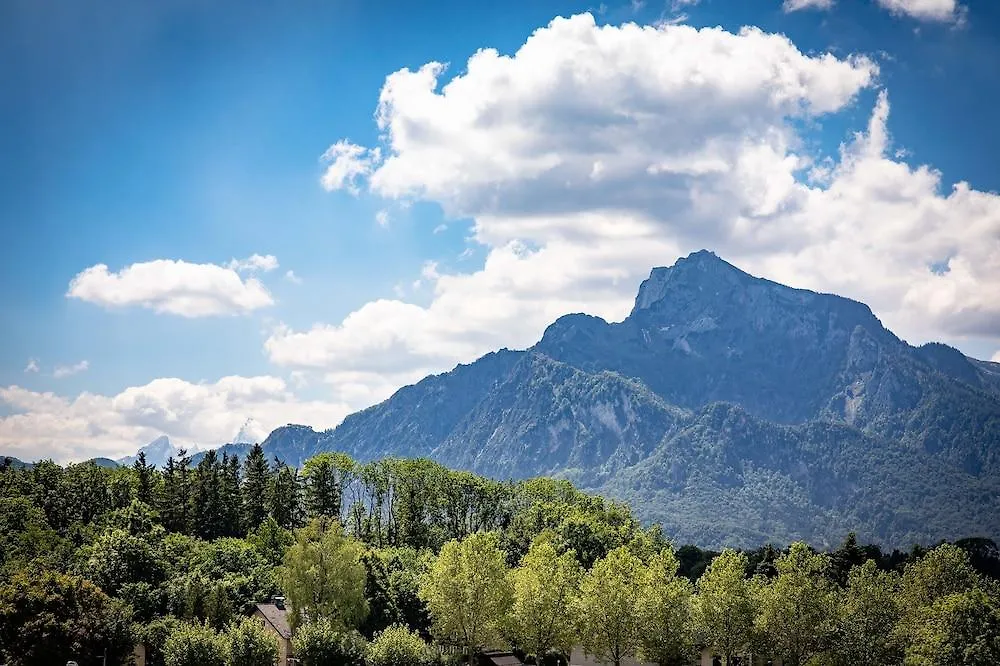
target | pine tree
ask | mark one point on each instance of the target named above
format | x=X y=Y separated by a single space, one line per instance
x=324 y=496
x=144 y=479
x=229 y=496
x=255 y=488
x=174 y=494
x=206 y=506
x=285 y=497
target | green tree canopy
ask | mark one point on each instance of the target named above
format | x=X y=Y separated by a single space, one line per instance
x=194 y=645
x=49 y=618
x=324 y=643
x=323 y=576
x=799 y=607
x=867 y=619
x=960 y=629
x=545 y=586
x=665 y=613
x=607 y=609
x=398 y=646
x=468 y=592
x=249 y=644
x=725 y=607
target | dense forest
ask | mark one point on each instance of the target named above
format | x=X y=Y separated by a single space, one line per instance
x=405 y=562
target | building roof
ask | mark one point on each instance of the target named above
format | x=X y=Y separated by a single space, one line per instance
x=498 y=658
x=277 y=618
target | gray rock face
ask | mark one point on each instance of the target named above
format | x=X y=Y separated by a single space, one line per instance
x=157 y=452
x=732 y=409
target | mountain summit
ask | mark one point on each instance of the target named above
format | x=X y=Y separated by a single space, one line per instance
x=730 y=408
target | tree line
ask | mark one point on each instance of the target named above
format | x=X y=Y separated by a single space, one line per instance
x=406 y=562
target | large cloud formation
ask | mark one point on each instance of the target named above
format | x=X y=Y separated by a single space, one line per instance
x=202 y=415
x=596 y=152
x=587 y=157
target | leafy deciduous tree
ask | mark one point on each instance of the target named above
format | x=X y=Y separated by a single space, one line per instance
x=398 y=646
x=194 y=645
x=545 y=586
x=665 y=613
x=324 y=578
x=799 y=608
x=468 y=592
x=725 y=607
x=249 y=644
x=607 y=608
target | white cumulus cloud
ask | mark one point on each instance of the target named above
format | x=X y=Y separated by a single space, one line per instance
x=69 y=370
x=347 y=162
x=596 y=152
x=945 y=11
x=174 y=287
x=202 y=414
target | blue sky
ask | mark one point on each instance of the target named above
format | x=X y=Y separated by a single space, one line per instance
x=135 y=133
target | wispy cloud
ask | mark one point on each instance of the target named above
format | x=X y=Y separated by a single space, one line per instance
x=292 y=277
x=255 y=262
x=69 y=370
x=32 y=365
x=796 y=5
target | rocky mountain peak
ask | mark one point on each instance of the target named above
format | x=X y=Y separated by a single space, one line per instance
x=699 y=270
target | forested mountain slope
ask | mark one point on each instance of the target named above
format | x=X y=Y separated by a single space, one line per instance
x=730 y=408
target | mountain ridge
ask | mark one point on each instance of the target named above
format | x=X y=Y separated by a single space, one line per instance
x=730 y=408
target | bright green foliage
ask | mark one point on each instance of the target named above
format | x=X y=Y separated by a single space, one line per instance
x=665 y=613
x=324 y=578
x=725 y=608
x=957 y=630
x=271 y=541
x=49 y=618
x=799 y=608
x=943 y=571
x=249 y=644
x=325 y=644
x=607 y=609
x=398 y=646
x=546 y=585
x=468 y=592
x=868 y=615
x=117 y=558
x=194 y=645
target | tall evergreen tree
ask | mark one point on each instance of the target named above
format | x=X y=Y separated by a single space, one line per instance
x=229 y=496
x=144 y=479
x=285 y=497
x=255 y=488
x=174 y=494
x=324 y=495
x=206 y=506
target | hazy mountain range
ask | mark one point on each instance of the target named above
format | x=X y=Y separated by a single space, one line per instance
x=731 y=409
